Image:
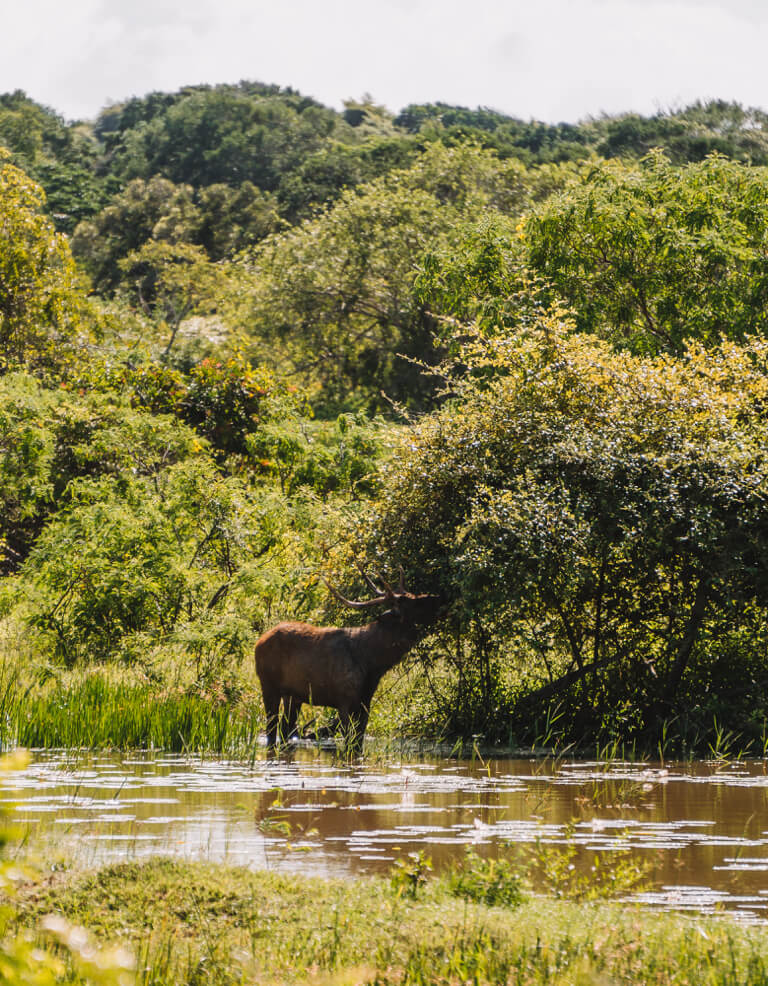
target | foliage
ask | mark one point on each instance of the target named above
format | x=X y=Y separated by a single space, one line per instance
x=495 y=882
x=322 y=177
x=172 y=282
x=130 y=561
x=594 y=516
x=341 y=456
x=227 y=401
x=602 y=518
x=61 y=157
x=690 y=134
x=41 y=302
x=233 y=219
x=155 y=209
x=687 y=134
x=335 y=296
x=150 y=214
x=613 y=874
x=50 y=437
x=480 y=278
x=204 y=135
x=531 y=141
x=409 y=875
x=653 y=255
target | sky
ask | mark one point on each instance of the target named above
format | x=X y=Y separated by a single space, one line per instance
x=551 y=60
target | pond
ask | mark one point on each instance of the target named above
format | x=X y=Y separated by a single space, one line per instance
x=703 y=827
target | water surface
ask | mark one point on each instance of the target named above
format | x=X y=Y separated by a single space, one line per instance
x=702 y=826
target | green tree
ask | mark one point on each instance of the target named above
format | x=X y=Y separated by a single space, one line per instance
x=175 y=561
x=233 y=219
x=652 y=255
x=227 y=401
x=171 y=282
x=205 y=135
x=600 y=522
x=48 y=438
x=143 y=211
x=41 y=302
x=334 y=297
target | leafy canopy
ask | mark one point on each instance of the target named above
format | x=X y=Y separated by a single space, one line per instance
x=41 y=301
x=605 y=517
x=652 y=255
x=335 y=297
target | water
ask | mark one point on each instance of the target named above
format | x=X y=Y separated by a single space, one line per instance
x=702 y=826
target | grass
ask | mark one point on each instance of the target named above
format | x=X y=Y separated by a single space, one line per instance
x=197 y=922
x=95 y=712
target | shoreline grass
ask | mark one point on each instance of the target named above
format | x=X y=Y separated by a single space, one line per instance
x=95 y=713
x=191 y=923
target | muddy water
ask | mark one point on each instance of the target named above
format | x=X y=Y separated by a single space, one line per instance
x=702 y=826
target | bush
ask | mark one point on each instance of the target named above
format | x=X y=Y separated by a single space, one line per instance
x=130 y=562
x=48 y=438
x=602 y=517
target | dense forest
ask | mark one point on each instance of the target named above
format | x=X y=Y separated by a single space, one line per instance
x=248 y=342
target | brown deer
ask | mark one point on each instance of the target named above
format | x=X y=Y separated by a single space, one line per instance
x=339 y=666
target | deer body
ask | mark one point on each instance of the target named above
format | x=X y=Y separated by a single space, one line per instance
x=339 y=667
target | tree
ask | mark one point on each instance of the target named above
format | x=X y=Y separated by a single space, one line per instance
x=61 y=157
x=205 y=135
x=651 y=255
x=41 y=301
x=172 y=281
x=51 y=437
x=335 y=296
x=129 y=562
x=233 y=219
x=600 y=522
x=143 y=211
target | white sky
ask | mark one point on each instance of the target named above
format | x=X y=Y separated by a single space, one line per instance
x=548 y=59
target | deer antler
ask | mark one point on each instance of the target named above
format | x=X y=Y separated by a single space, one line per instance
x=360 y=603
x=369 y=581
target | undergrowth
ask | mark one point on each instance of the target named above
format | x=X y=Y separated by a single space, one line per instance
x=194 y=923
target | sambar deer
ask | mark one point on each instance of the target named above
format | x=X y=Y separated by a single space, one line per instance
x=340 y=667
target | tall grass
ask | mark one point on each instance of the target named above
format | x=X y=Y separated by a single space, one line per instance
x=95 y=712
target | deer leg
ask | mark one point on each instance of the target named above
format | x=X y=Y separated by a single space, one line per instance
x=353 y=726
x=272 y=708
x=291 y=708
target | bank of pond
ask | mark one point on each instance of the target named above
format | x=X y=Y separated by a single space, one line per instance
x=396 y=868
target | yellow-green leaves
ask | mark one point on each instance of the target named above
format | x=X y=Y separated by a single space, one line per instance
x=602 y=517
x=41 y=301
x=650 y=255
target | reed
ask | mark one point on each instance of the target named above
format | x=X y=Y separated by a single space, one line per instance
x=94 y=712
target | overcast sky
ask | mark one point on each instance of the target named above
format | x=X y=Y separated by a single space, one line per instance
x=548 y=59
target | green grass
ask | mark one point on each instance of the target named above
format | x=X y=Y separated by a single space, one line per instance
x=197 y=922
x=97 y=713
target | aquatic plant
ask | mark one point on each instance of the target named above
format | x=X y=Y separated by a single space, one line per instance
x=487 y=881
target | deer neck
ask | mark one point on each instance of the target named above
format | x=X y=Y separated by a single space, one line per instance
x=384 y=644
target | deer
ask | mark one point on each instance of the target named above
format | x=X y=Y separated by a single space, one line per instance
x=340 y=667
